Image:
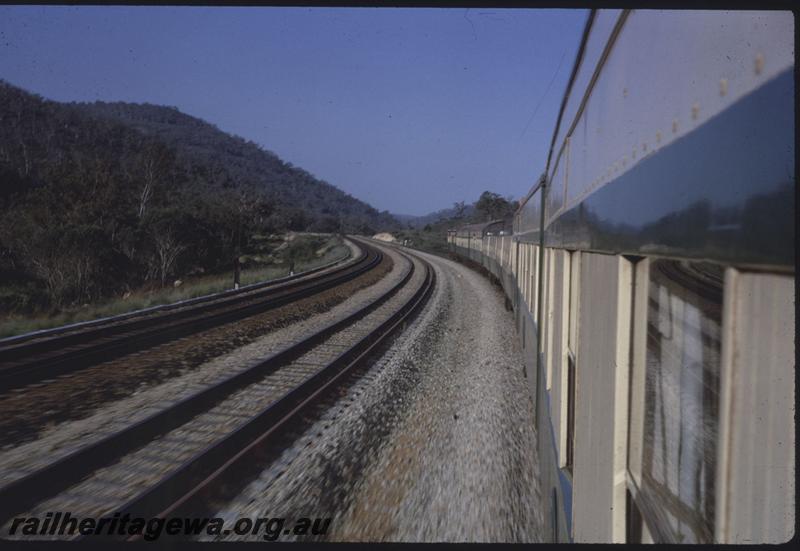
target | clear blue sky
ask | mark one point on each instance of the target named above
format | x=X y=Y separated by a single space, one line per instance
x=407 y=109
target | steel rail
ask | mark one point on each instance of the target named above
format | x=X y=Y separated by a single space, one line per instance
x=149 y=333
x=9 y=342
x=33 y=488
x=186 y=308
x=192 y=486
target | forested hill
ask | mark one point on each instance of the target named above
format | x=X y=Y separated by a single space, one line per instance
x=99 y=198
x=460 y=210
x=310 y=202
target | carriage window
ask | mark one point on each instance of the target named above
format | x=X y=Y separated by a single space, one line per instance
x=681 y=402
x=574 y=282
x=572 y=347
x=570 y=448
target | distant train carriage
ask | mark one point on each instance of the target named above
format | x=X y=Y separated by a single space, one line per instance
x=471 y=237
x=651 y=271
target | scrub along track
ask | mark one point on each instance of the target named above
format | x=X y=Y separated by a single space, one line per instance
x=45 y=409
x=26 y=361
x=178 y=458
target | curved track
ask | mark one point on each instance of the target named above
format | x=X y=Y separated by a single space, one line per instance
x=38 y=359
x=233 y=419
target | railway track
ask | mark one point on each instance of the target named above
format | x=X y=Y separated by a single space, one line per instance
x=79 y=326
x=178 y=458
x=31 y=360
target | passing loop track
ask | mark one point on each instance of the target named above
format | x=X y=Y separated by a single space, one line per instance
x=191 y=481
x=38 y=359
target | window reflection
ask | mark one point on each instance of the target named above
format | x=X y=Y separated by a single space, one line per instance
x=681 y=397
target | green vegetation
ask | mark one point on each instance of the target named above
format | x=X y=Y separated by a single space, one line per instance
x=432 y=236
x=271 y=261
x=491 y=206
x=104 y=199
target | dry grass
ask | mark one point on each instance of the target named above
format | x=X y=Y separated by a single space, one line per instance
x=191 y=288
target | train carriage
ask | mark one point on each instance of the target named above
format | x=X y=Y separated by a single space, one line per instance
x=651 y=269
